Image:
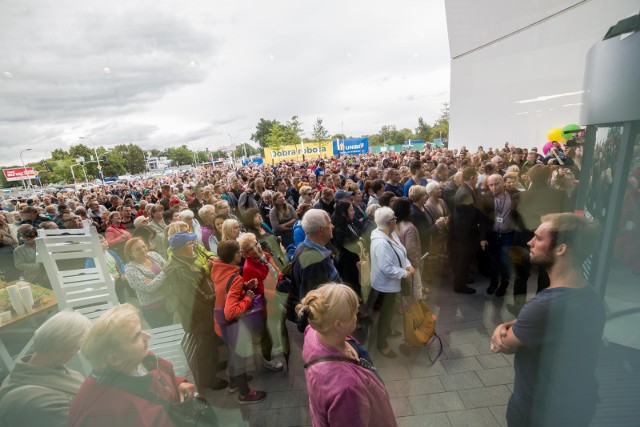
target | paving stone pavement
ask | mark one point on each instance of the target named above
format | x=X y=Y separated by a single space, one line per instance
x=467 y=385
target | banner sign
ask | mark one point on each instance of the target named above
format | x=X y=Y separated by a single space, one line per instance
x=19 y=174
x=311 y=151
x=350 y=146
x=257 y=161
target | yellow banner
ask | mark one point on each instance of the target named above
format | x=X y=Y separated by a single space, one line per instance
x=312 y=151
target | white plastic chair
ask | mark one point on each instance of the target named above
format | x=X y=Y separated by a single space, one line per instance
x=91 y=291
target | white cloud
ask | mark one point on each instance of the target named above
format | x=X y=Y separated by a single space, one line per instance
x=165 y=73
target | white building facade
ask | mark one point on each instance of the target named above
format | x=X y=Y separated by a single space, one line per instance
x=517 y=68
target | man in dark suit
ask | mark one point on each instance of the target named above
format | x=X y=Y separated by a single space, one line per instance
x=540 y=199
x=468 y=230
x=500 y=213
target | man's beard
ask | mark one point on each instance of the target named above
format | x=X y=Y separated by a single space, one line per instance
x=546 y=261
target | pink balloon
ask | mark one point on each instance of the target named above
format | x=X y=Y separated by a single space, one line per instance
x=547 y=147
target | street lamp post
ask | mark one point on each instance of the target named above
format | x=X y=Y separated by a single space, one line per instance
x=24 y=168
x=95 y=151
x=244 y=147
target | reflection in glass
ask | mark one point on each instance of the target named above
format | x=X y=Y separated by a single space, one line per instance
x=622 y=295
x=604 y=156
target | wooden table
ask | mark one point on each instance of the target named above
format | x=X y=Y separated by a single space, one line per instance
x=13 y=325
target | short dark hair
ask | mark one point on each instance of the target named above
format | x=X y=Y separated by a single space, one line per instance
x=469 y=173
x=227 y=250
x=415 y=166
x=402 y=208
x=540 y=174
x=377 y=185
x=385 y=199
x=577 y=232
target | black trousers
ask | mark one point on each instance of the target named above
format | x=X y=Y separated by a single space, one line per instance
x=466 y=251
x=500 y=262
x=206 y=360
x=523 y=267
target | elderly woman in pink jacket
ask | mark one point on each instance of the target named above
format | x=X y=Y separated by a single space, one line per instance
x=344 y=387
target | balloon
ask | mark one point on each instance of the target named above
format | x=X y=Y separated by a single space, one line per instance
x=569 y=131
x=555 y=134
x=547 y=147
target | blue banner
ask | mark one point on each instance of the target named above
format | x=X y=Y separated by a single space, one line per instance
x=350 y=146
x=256 y=161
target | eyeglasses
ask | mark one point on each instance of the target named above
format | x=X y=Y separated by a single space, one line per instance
x=393 y=219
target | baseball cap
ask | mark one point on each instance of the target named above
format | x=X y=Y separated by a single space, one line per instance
x=341 y=194
x=178 y=240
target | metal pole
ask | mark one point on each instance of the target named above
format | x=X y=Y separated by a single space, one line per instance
x=86 y=180
x=95 y=151
x=73 y=174
x=24 y=167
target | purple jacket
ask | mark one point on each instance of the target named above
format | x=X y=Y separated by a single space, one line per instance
x=342 y=393
x=207 y=232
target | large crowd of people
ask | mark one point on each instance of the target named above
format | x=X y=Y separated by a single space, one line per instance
x=182 y=247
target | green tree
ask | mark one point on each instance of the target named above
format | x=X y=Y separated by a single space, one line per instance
x=115 y=164
x=218 y=154
x=45 y=169
x=59 y=154
x=263 y=128
x=389 y=135
x=62 y=171
x=276 y=137
x=319 y=131
x=180 y=155
x=251 y=150
x=339 y=136
x=440 y=128
x=407 y=134
x=423 y=131
x=374 y=140
x=90 y=167
x=295 y=125
x=132 y=158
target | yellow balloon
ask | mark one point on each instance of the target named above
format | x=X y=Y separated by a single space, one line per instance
x=555 y=134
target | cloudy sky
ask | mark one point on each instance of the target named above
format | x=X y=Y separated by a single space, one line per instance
x=163 y=73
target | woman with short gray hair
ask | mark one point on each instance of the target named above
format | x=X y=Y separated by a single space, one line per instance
x=187 y=216
x=40 y=388
x=389 y=265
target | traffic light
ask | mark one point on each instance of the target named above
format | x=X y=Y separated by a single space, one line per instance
x=103 y=158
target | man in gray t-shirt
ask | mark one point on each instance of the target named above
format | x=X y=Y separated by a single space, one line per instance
x=557 y=335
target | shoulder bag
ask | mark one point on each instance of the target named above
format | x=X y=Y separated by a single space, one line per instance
x=193 y=412
x=252 y=319
x=406 y=285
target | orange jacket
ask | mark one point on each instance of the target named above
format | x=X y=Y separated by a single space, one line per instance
x=236 y=301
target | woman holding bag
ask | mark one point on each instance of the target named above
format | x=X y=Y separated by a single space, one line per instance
x=234 y=301
x=260 y=266
x=389 y=266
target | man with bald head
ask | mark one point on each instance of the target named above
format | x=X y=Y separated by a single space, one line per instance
x=498 y=206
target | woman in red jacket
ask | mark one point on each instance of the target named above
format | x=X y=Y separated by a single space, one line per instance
x=225 y=273
x=128 y=386
x=116 y=233
x=260 y=266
